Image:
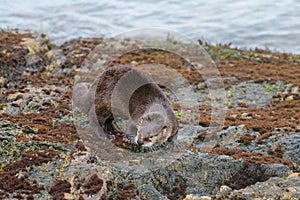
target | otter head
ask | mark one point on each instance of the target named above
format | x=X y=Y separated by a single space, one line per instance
x=154 y=127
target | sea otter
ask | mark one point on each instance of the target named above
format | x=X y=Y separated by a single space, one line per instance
x=129 y=93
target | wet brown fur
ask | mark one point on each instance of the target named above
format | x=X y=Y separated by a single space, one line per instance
x=141 y=99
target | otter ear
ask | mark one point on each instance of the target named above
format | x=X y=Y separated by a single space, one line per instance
x=164 y=129
x=149 y=118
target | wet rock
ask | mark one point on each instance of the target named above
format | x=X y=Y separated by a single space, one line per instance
x=35 y=104
x=290 y=144
x=224 y=189
x=254 y=93
x=21 y=52
x=200 y=175
x=283 y=145
x=147 y=191
x=191 y=197
x=287 y=142
x=34 y=99
x=15 y=96
x=274 y=188
x=205 y=198
x=229 y=137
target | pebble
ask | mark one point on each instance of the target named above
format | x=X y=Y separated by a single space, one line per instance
x=205 y=198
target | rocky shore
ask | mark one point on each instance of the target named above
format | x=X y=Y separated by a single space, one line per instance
x=42 y=156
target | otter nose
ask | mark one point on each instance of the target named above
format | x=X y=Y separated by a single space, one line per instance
x=140 y=142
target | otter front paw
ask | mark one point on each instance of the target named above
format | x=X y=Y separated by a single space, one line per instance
x=128 y=139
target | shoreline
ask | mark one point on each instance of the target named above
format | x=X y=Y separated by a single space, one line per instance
x=43 y=153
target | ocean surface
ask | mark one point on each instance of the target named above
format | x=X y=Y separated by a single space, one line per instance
x=266 y=24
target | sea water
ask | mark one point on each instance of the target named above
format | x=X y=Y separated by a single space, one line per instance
x=266 y=24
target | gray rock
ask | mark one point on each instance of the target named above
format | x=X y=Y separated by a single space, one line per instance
x=289 y=143
x=253 y=93
x=197 y=174
x=147 y=191
x=275 y=188
x=230 y=137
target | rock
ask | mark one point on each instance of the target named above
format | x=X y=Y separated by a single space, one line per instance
x=205 y=198
x=274 y=188
x=192 y=174
x=224 y=189
x=253 y=93
x=201 y=86
x=294 y=175
x=231 y=138
x=246 y=116
x=40 y=81
x=147 y=191
x=288 y=142
x=21 y=51
x=15 y=96
x=289 y=98
x=191 y=197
